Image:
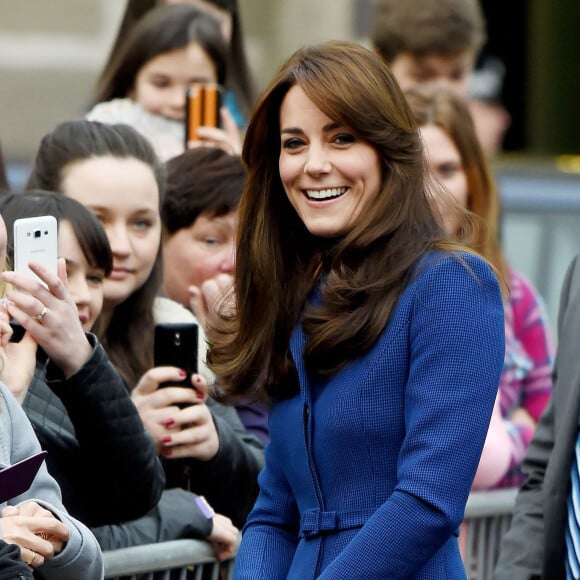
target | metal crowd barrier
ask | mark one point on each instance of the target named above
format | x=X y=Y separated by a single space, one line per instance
x=487 y=519
x=176 y=560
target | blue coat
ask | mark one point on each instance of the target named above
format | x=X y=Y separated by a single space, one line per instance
x=368 y=471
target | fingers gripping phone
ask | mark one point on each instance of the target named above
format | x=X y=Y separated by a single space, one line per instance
x=203 y=102
x=176 y=346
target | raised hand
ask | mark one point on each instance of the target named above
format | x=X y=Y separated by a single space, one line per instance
x=49 y=315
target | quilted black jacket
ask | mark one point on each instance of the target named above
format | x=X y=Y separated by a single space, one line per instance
x=98 y=449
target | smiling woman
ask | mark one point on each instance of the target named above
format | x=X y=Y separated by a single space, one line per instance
x=330 y=175
x=362 y=325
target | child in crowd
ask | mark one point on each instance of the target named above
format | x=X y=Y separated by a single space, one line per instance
x=114 y=171
x=438 y=42
x=241 y=92
x=145 y=83
x=429 y=41
x=50 y=540
x=200 y=219
x=456 y=160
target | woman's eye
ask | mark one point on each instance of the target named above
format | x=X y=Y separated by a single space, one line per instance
x=95 y=279
x=142 y=224
x=344 y=139
x=447 y=170
x=160 y=83
x=292 y=143
x=211 y=241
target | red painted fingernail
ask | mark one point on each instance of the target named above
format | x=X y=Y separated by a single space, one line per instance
x=199 y=395
x=182 y=373
x=169 y=422
x=166 y=439
x=167 y=451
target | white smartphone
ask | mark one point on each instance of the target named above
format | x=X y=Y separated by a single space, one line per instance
x=35 y=240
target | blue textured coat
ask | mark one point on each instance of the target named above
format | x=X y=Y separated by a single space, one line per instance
x=367 y=472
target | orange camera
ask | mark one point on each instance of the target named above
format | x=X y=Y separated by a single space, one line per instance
x=203 y=103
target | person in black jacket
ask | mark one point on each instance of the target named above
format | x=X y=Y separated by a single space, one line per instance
x=99 y=451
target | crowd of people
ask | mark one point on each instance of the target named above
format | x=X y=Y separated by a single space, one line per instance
x=367 y=356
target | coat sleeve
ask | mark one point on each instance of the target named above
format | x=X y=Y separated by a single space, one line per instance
x=175 y=517
x=110 y=433
x=522 y=550
x=456 y=355
x=81 y=556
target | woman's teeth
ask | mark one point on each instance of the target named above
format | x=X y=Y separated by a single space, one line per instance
x=325 y=193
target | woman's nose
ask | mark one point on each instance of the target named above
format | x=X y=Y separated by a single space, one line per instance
x=317 y=162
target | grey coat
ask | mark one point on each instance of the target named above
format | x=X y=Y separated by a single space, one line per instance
x=81 y=556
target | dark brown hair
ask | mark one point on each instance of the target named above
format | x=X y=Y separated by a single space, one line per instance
x=426 y=27
x=201 y=180
x=279 y=261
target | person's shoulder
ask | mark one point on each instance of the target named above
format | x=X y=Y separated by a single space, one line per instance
x=167 y=310
x=442 y=263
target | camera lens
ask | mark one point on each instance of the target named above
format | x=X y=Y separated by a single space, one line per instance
x=37 y=233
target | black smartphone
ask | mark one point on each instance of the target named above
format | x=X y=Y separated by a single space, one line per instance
x=203 y=102
x=176 y=346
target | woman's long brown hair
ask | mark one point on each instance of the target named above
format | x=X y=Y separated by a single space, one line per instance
x=279 y=262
